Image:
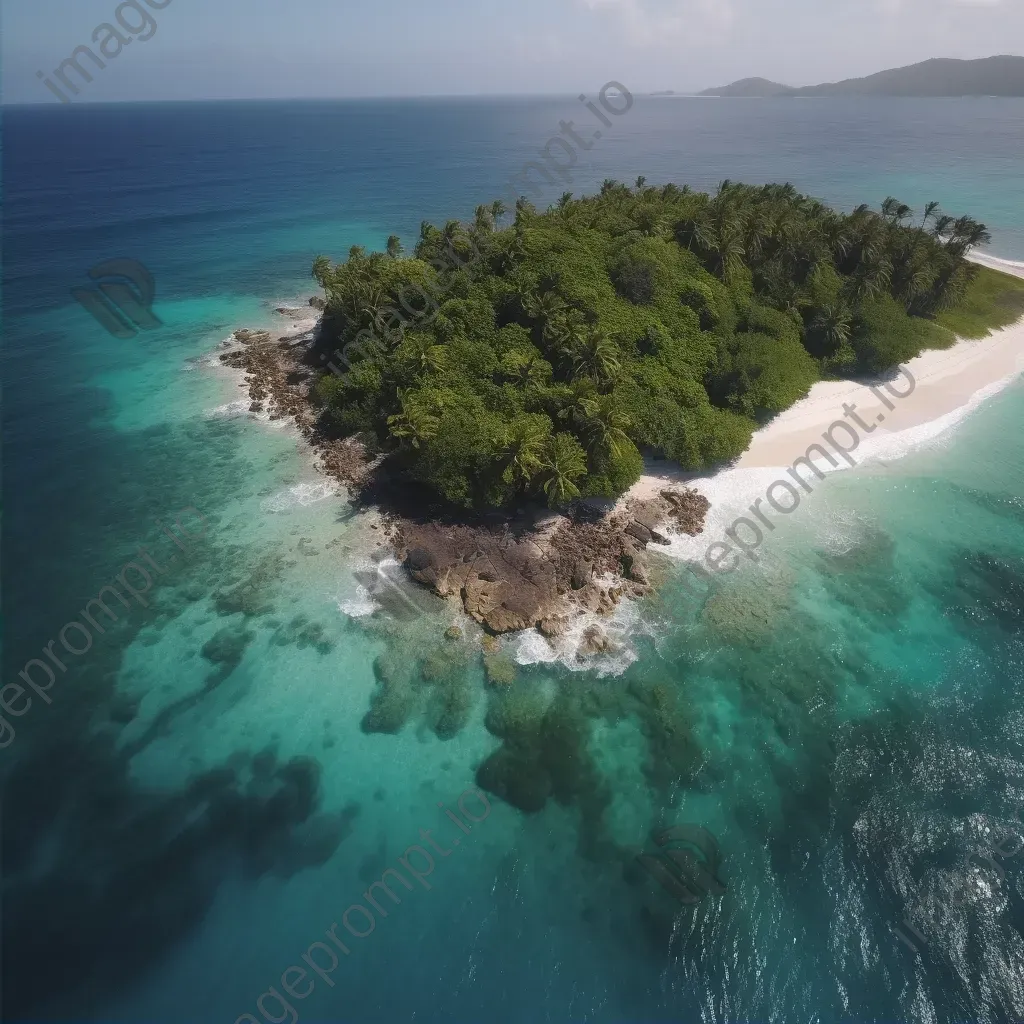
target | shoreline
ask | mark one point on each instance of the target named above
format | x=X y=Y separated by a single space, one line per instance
x=542 y=570
x=511 y=571
x=948 y=381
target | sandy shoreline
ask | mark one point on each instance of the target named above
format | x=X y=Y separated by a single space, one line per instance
x=946 y=381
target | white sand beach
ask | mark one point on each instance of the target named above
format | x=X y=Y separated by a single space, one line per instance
x=947 y=382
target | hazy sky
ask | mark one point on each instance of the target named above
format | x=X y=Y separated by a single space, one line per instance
x=261 y=48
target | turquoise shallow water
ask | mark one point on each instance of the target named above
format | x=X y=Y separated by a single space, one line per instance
x=199 y=804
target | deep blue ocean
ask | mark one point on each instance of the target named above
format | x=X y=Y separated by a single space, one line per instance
x=192 y=814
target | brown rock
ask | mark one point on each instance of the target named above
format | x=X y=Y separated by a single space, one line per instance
x=639 y=531
x=582 y=574
x=419 y=558
x=595 y=598
x=556 y=625
x=635 y=568
x=596 y=641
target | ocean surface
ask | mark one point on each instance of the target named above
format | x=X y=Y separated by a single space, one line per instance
x=192 y=820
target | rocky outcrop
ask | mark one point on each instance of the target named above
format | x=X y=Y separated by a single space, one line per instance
x=540 y=578
x=504 y=584
x=596 y=641
x=276 y=383
x=511 y=573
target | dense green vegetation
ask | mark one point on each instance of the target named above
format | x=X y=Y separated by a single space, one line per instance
x=993 y=300
x=538 y=359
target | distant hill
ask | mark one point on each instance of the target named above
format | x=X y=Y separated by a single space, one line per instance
x=750 y=87
x=991 y=76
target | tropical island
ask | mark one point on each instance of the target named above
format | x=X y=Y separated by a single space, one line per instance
x=530 y=359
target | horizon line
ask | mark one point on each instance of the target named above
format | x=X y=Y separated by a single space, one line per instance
x=310 y=99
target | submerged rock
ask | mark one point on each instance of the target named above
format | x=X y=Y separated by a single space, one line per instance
x=501 y=670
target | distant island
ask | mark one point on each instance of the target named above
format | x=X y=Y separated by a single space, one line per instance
x=991 y=76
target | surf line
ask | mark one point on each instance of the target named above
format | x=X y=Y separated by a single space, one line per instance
x=752 y=538
x=365 y=923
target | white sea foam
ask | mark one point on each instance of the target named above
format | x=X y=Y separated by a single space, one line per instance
x=208 y=360
x=732 y=491
x=621 y=627
x=379 y=583
x=885 y=447
x=230 y=410
x=1012 y=266
x=357 y=605
x=301 y=496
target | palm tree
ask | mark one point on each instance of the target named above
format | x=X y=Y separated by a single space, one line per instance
x=525 y=369
x=930 y=211
x=450 y=232
x=509 y=250
x=872 y=278
x=607 y=426
x=640 y=182
x=568 y=331
x=416 y=422
x=525 y=210
x=835 y=323
x=523 y=446
x=597 y=357
x=966 y=234
x=730 y=248
x=649 y=220
x=394 y=248
x=698 y=234
x=895 y=212
x=421 y=352
x=564 y=200
x=545 y=308
x=563 y=464
x=497 y=211
x=482 y=220
x=581 y=400
x=889 y=208
x=322 y=271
